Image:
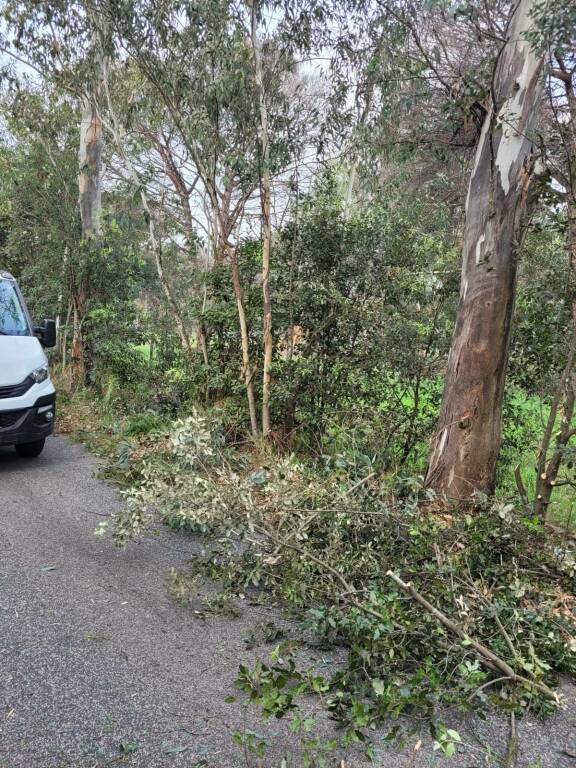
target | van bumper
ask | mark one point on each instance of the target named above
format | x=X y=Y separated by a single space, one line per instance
x=26 y=425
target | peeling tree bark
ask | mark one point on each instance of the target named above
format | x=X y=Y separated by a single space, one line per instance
x=467 y=440
x=90 y=169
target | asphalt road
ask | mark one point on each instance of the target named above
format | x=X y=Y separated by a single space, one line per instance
x=95 y=654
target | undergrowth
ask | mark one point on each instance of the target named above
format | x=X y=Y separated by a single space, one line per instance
x=327 y=538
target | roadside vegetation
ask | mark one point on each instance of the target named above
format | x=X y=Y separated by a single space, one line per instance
x=349 y=549
x=313 y=268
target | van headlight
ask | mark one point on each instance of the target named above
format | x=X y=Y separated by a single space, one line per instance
x=40 y=374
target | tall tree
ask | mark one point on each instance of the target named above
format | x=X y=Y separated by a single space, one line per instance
x=265 y=205
x=556 y=34
x=90 y=153
x=90 y=150
x=234 y=120
x=466 y=442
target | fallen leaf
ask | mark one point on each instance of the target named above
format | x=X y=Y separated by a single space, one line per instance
x=127 y=747
x=172 y=749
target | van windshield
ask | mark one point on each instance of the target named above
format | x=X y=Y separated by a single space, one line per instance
x=13 y=320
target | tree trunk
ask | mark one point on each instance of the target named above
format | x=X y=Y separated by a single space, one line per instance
x=90 y=170
x=90 y=204
x=265 y=202
x=155 y=243
x=466 y=444
x=247 y=371
x=77 y=356
x=548 y=468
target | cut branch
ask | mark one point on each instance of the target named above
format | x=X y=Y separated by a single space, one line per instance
x=485 y=654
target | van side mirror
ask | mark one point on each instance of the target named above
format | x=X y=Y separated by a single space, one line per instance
x=46 y=333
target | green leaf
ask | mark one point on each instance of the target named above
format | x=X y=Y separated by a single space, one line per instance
x=378 y=686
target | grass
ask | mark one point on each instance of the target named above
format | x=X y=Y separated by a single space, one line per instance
x=145 y=350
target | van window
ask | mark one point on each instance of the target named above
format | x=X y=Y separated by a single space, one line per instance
x=13 y=321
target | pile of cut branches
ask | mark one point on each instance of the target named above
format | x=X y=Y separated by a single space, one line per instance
x=468 y=608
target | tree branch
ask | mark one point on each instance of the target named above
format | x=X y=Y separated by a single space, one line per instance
x=485 y=653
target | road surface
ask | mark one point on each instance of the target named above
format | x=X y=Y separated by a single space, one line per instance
x=99 y=666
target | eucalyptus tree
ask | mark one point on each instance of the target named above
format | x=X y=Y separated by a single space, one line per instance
x=467 y=438
x=453 y=91
x=91 y=146
x=190 y=58
x=457 y=84
x=56 y=42
x=266 y=203
x=39 y=168
x=222 y=89
x=125 y=150
x=554 y=35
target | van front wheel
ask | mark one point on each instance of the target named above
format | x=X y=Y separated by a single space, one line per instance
x=30 y=450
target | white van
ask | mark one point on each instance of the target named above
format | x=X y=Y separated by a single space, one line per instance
x=27 y=396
